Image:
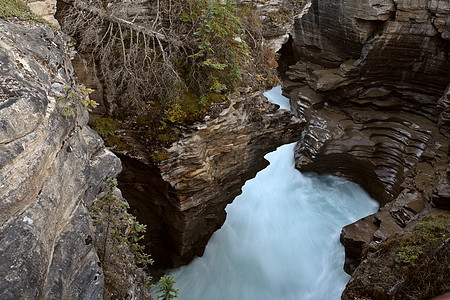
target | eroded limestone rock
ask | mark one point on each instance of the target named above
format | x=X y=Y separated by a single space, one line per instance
x=277 y=18
x=51 y=167
x=379 y=68
x=400 y=43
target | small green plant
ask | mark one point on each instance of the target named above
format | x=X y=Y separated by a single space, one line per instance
x=120 y=224
x=423 y=259
x=117 y=243
x=105 y=127
x=166 y=289
x=74 y=95
x=222 y=51
x=408 y=255
x=174 y=113
x=18 y=9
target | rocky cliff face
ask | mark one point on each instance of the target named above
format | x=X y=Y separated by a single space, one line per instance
x=394 y=40
x=372 y=81
x=51 y=168
x=183 y=198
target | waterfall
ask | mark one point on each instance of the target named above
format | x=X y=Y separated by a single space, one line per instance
x=281 y=236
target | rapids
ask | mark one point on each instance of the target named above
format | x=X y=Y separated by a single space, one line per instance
x=281 y=236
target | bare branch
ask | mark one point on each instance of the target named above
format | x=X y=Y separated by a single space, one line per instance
x=79 y=4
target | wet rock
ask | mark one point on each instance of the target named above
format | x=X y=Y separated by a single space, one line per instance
x=397 y=42
x=354 y=237
x=444 y=117
x=379 y=122
x=441 y=192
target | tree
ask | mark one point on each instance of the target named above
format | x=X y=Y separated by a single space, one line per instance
x=175 y=51
x=166 y=290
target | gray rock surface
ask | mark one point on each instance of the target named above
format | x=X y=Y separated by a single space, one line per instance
x=277 y=19
x=51 y=167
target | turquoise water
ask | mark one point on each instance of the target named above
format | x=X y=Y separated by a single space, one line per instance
x=280 y=239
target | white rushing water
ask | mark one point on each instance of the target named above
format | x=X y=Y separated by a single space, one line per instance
x=280 y=239
x=275 y=96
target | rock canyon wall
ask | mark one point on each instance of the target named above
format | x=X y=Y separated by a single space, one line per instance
x=51 y=168
x=183 y=197
x=371 y=97
x=372 y=81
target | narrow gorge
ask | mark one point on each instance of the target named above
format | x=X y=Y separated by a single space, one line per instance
x=369 y=88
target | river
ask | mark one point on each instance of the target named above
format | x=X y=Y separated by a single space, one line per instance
x=281 y=236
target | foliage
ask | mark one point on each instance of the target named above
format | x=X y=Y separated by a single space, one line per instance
x=208 y=47
x=166 y=289
x=423 y=259
x=74 y=95
x=159 y=156
x=222 y=52
x=118 y=243
x=105 y=127
x=18 y=9
x=408 y=255
x=174 y=113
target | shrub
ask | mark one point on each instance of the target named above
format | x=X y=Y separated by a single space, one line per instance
x=222 y=51
x=423 y=259
x=117 y=243
x=166 y=289
x=73 y=96
x=105 y=127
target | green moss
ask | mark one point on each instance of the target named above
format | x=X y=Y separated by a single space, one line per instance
x=192 y=106
x=159 y=156
x=408 y=255
x=117 y=142
x=105 y=127
x=425 y=236
x=423 y=259
x=18 y=9
x=144 y=120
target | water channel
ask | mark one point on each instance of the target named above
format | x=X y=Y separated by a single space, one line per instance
x=281 y=236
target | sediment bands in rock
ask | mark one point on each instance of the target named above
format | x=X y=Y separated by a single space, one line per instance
x=51 y=167
x=372 y=82
x=185 y=195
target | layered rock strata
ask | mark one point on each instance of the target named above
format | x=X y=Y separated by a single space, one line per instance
x=395 y=41
x=183 y=198
x=392 y=154
x=51 y=168
x=372 y=81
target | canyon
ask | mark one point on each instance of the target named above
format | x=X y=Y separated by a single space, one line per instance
x=371 y=99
